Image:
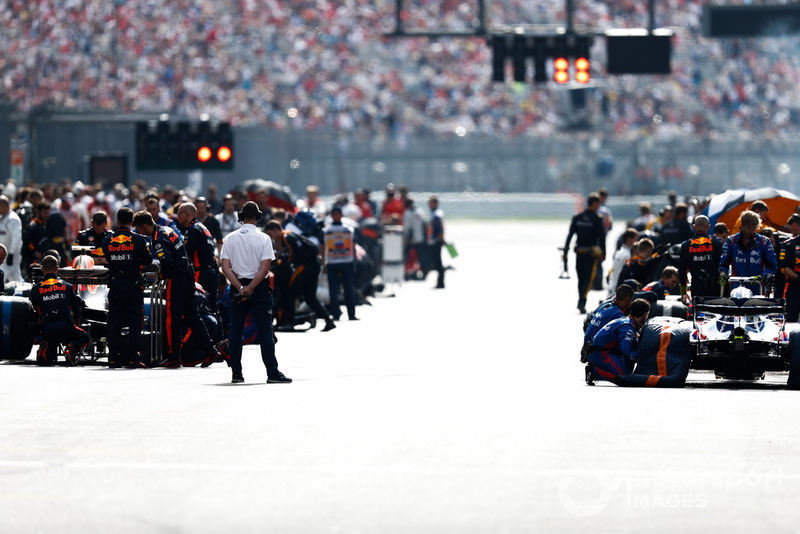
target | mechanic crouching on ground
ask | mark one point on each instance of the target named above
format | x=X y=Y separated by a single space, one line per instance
x=748 y=253
x=612 y=354
x=127 y=254
x=607 y=312
x=303 y=257
x=58 y=308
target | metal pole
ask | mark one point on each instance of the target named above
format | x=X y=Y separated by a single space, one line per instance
x=570 y=8
x=398 y=19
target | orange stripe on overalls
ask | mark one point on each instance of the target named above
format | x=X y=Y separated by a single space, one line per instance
x=661 y=357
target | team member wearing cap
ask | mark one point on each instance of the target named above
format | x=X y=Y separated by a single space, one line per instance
x=247 y=254
x=95 y=235
x=127 y=253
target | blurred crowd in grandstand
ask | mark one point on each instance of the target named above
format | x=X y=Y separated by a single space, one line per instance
x=326 y=64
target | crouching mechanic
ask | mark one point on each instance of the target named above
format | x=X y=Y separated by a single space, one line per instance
x=179 y=275
x=58 y=308
x=604 y=314
x=612 y=354
x=303 y=256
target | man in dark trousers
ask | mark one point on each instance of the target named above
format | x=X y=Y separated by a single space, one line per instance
x=303 y=256
x=127 y=253
x=246 y=257
x=181 y=311
x=59 y=309
x=590 y=246
x=789 y=263
x=200 y=247
x=338 y=255
x=436 y=240
x=699 y=258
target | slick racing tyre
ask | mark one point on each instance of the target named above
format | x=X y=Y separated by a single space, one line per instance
x=794 y=361
x=669 y=308
x=16 y=337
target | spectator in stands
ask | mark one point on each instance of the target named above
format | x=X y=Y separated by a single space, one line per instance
x=313 y=203
x=393 y=207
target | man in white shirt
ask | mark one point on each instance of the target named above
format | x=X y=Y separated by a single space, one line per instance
x=247 y=254
x=11 y=237
x=621 y=257
x=228 y=219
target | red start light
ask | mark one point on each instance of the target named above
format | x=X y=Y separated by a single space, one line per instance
x=204 y=154
x=582 y=76
x=561 y=70
x=582 y=67
x=224 y=153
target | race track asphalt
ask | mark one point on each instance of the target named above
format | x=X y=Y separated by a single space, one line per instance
x=462 y=410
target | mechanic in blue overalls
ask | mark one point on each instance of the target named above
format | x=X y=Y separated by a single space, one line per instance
x=748 y=253
x=612 y=354
x=604 y=314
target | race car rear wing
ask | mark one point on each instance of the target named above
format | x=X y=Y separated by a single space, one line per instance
x=739 y=306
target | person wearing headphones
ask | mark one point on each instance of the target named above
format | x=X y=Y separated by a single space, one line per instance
x=247 y=254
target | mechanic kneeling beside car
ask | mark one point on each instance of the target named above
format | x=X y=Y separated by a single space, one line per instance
x=58 y=308
x=612 y=354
